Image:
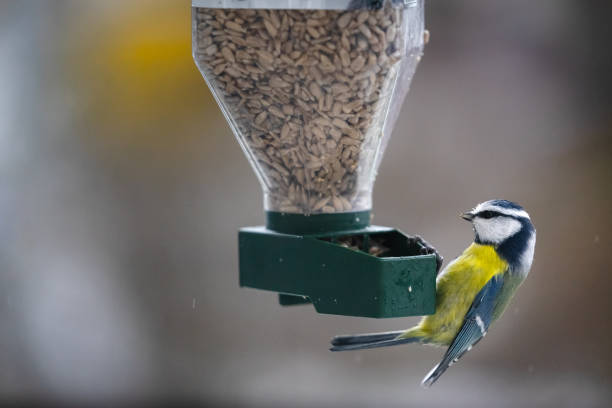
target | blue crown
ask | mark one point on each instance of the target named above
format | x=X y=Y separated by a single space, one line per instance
x=505 y=204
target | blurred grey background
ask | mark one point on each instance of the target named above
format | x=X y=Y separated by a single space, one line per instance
x=122 y=188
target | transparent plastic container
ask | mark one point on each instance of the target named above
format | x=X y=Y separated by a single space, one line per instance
x=311 y=89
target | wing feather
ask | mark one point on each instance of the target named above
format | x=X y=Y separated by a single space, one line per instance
x=475 y=325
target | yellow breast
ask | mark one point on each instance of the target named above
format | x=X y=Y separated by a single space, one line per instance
x=456 y=288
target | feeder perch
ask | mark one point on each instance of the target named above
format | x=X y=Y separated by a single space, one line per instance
x=312 y=90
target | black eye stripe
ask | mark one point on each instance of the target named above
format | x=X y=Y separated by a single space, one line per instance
x=488 y=214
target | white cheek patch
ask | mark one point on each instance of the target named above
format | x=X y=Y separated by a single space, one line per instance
x=496 y=230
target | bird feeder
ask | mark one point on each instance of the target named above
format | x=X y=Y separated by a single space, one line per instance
x=312 y=89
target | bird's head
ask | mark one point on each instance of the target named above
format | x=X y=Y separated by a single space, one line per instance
x=495 y=221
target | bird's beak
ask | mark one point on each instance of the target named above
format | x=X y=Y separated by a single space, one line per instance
x=468 y=216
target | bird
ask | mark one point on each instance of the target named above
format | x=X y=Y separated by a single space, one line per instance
x=472 y=291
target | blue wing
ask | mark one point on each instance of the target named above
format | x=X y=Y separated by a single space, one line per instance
x=475 y=325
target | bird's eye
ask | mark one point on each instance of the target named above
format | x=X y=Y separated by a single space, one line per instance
x=487 y=214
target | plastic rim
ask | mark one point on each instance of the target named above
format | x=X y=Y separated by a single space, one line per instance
x=300 y=224
x=296 y=4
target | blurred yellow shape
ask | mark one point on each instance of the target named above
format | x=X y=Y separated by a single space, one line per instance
x=143 y=89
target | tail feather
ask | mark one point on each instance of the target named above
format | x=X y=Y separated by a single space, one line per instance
x=375 y=344
x=365 y=338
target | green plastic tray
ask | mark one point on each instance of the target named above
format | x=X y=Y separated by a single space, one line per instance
x=312 y=264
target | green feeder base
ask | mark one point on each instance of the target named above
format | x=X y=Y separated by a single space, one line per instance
x=340 y=264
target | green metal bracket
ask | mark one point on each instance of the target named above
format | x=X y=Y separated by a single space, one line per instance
x=315 y=264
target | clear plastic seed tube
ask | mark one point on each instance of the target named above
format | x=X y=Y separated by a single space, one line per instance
x=311 y=89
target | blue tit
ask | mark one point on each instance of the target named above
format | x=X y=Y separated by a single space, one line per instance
x=472 y=291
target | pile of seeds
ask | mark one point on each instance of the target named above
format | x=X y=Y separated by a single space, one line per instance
x=373 y=245
x=307 y=91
